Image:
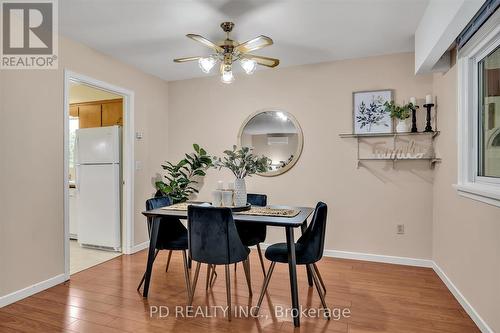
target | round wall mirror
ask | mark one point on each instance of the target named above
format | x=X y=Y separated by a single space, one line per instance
x=275 y=134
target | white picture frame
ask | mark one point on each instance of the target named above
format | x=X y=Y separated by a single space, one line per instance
x=369 y=115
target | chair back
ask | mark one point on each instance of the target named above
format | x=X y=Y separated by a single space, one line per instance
x=171 y=228
x=212 y=236
x=257 y=199
x=157 y=202
x=313 y=239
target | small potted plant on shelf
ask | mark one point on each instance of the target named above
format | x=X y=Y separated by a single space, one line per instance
x=242 y=163
x=399 y=112
x=182 y=177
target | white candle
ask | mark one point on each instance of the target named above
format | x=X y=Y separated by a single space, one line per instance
x=413 y=101
x=220 y=185
x=428 y=99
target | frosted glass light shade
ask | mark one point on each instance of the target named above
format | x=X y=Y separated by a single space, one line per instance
x=206 y=64
x=248 y=65
x=227 y=77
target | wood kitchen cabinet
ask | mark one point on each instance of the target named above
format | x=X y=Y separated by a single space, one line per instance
x=73 y=110
x=90 y=115
x=98 y=113
x=112 y=113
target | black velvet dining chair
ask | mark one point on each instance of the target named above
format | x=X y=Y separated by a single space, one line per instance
x=172 y=236
x=214 y=240
x=252 y=234
x=308 y=250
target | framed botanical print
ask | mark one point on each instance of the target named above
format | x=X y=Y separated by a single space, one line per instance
x=369 y=114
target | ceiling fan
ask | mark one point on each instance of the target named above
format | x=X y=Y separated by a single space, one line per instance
x=230 y=51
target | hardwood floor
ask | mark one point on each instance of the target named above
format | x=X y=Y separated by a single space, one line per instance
x=380 y=298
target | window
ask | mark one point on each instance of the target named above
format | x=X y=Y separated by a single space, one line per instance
x=489 y=115
x=479 y=115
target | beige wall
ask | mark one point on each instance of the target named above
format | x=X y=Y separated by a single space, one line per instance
x=31 y=147
x=466 y=233
x=363 y=208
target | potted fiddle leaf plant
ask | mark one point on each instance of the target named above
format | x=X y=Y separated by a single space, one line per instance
x=182 y=177
x=399 y=112
x=242 y=163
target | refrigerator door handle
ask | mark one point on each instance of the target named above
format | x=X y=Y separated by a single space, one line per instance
x=77 y=177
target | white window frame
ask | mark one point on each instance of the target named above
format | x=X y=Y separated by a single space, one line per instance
x=484 y=189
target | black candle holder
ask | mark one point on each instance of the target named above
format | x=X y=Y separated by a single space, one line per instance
x=414 y=118
x=428 y=127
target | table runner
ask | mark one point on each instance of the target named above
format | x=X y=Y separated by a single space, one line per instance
x=260 y=211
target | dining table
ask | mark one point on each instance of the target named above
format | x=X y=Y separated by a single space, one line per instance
x=289 y=224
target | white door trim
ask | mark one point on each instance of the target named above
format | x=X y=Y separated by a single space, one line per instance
x=128 y=159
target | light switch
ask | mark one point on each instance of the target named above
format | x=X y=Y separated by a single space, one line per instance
x=139 y=135
x=138 y=165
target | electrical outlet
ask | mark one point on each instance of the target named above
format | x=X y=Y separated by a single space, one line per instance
x=400 y=229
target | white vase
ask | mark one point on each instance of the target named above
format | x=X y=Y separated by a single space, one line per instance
x=240 y=192
x=402 y=126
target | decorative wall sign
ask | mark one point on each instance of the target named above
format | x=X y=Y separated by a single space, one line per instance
x=369 y=112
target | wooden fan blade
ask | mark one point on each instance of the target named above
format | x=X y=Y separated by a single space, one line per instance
x=254 y=44
x=186 y=59
x=206 y=42
x=264 y=61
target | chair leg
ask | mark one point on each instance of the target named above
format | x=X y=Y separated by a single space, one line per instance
x=320 y=293
x=168 y=260
x=320 y=278
x=259 y=251
x=228 y=292
x=144 y=275
x=246 y=267
x=264 y=287
x=195 y=280
x=209 y=270
x=213 y=276
x=186 y=275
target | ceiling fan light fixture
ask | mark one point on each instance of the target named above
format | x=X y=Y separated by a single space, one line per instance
x=248 y=65
x=206 y=64
x=227 y=77
x=230 y=51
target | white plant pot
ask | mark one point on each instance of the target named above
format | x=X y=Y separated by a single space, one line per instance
x=240 y=192
x=402 y=126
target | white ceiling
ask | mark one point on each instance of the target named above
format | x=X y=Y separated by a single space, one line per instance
x=150 y=33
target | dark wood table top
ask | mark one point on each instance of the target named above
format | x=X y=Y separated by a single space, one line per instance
x=278 y=221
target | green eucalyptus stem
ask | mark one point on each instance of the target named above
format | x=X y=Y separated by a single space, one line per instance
x=242 y=162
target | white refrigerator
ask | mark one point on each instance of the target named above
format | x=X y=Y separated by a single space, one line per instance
x=97 y=160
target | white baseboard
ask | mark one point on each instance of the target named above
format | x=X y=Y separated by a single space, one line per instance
x=481 y=324
x=137 y=248
x=379 y=258
x=373 y=257
x=31 y=290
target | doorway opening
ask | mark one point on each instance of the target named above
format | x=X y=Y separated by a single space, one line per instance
x=98 y=177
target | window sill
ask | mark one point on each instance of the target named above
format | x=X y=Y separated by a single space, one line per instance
x=488 y=194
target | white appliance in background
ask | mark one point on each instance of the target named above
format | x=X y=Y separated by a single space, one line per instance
x=97 y=159
x=73 y=213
